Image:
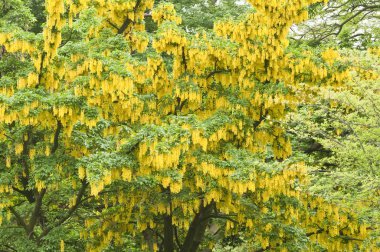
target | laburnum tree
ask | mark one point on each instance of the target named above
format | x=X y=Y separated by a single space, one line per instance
x=113 y=137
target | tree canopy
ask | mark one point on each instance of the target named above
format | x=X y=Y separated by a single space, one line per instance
x=123 y=128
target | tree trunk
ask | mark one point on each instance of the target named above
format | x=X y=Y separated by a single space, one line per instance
x=168 y=234
x=197 y=229
x=149 y=238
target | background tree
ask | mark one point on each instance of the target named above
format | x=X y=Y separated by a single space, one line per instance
x=340 y=135
x=347 y=23
x=203 y=14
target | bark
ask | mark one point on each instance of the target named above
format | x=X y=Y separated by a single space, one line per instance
x=36 y=214
x=128 y=21
x=168 y=234
x=149 y=238
x=197 y=229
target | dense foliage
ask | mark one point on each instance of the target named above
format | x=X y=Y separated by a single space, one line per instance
x=146 y=125
x=340 y=135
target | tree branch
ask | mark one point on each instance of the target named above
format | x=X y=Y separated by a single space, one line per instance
x=113 y=25
x=19 y=219
x=36 y=214
x=8 y=247
x=197 y=228
x=27 y=193
x=184 y=58
x=128 y=21
x=179 y=245
x=215 y=72
x=341 y=25
x=70 y=212
x=223 y=216
x=56 y=137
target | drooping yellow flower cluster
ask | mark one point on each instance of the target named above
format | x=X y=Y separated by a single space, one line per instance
x=170 y=41
x=52 y=30
x=165 y=12
x=106 y=179
x=335 y=222
x=140 y=42
x=330 y=55
x=374 y=50
x=152 y=160
x=128 y=15
x=13 y=44
x=366 y=74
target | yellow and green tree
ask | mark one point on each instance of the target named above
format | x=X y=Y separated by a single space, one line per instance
x=113 y=137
